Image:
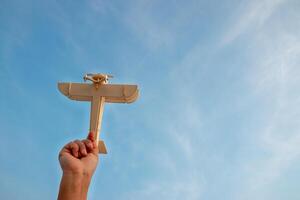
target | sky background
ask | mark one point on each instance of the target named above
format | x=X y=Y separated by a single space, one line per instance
x=218 y=115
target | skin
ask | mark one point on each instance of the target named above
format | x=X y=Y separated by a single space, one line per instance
x=78 y=160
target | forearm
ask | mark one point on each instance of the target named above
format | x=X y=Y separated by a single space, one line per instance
x=74 y=186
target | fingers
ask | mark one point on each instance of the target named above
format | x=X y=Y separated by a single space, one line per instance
x=88 y=144
x=80 y=148
x=74 y=148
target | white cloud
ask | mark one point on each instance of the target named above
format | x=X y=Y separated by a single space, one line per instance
x=275 y=82
x=250 y=16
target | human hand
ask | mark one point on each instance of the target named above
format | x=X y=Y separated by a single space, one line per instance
x=78 y=160
x=80 y=156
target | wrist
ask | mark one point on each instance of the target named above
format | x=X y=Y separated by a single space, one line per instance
x=74 y=186
x=76 y=175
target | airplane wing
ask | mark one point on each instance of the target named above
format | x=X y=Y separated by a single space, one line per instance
x=113 y=93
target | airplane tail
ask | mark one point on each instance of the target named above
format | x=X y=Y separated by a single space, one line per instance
x=102 y=147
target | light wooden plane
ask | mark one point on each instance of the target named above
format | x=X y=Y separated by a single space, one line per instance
x=99 y=92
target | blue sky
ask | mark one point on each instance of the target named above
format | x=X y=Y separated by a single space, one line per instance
x=218 y=113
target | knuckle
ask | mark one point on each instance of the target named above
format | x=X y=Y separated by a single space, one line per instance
x=78 y=143
x=75 y=146
x=87 y=142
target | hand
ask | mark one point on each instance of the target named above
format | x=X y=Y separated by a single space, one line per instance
x=80 y=157
x=78 y=161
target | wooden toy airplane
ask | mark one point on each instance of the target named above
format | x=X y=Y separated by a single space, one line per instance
x=98 y=93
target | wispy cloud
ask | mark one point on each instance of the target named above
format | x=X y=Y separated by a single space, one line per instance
x=175 y=142
x=251 y=16
x=275 y=81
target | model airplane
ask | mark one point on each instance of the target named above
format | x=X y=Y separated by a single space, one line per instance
x=98 y=92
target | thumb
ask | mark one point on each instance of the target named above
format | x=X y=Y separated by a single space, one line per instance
x=92 y=137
